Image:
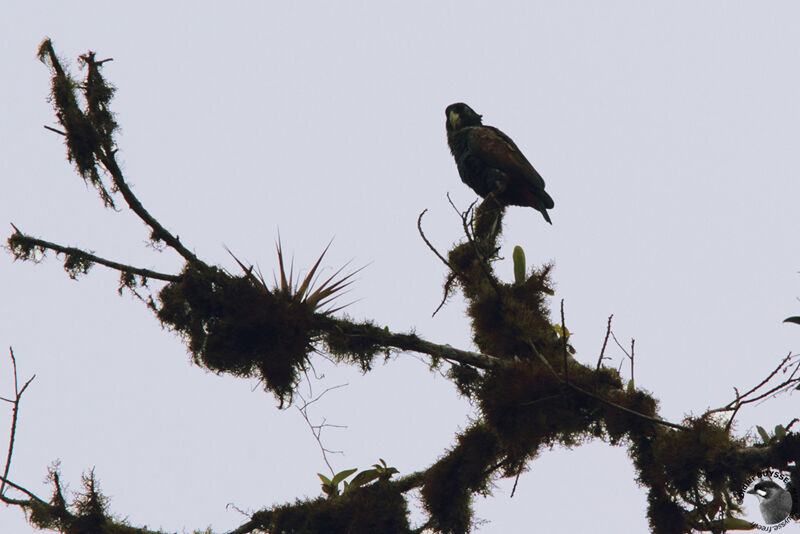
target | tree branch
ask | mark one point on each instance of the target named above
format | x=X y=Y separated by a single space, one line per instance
x=106 y=157
x=18 y=239
x=412 y=342
x=14 y=416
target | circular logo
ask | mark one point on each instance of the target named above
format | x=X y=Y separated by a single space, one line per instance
x=765 y=500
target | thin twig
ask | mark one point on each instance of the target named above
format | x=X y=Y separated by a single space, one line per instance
x=769 y=376
x=605 y=342
x=451 y=279
x=59 y=132
x=430 y=245
x=735 y=411
x=564 y=342
x=453 y=272
x=632 y=358
x=785 y=385
x=543 y=359
x=14 y=417
x=619 y=344
x=516 y=481
x=19 y=502
x=541 y=399
x=316 y=430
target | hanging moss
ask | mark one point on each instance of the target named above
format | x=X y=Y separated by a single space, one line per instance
x=467 y=379
x=87 y=132
x=664 y=515
x=686 y=457
x=355 y=342
x=235 y=326
x=619 y=423
x=528 y=409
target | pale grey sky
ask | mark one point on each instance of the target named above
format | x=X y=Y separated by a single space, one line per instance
x=667 y=134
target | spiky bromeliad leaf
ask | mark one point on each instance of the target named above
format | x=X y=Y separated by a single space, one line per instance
x=304 y=291
x=301 y=291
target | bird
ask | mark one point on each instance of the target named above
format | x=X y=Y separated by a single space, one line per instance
x=774 y=501
x=491 y=164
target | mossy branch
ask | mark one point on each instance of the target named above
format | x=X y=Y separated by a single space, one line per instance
x=89 y=135
x=77 y=261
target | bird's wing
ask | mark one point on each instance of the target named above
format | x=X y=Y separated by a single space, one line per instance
x=497 y=150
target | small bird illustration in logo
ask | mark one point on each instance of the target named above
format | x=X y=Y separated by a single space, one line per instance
x=774 y=501
x=491 y=164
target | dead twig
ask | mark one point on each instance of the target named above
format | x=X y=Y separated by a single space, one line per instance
x=605 y=342
x=466 y=220
x=633 y=359
x=59 y=132
x=516 y=481
x=14 y=418
x=752 y=395
x=453 y=272
x=316 y=430
x=430 y=245
x=630 y=354
x=791 y=424
x=619 y=345
x=564 y=342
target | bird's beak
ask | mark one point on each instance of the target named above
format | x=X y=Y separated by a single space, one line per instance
x=455 y=119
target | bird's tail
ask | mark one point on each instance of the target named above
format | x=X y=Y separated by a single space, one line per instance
x=541 y=204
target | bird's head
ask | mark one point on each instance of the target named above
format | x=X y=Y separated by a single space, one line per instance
x=461 y=115
x=765 y=490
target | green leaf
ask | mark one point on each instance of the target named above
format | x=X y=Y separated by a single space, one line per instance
x=519 y=265
x=763 y=433
x=364 y=478
x=324 y=479
x=342 y=475
x=562 y=332
x=735 y=523
x=795 y=320
x=780 y=432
